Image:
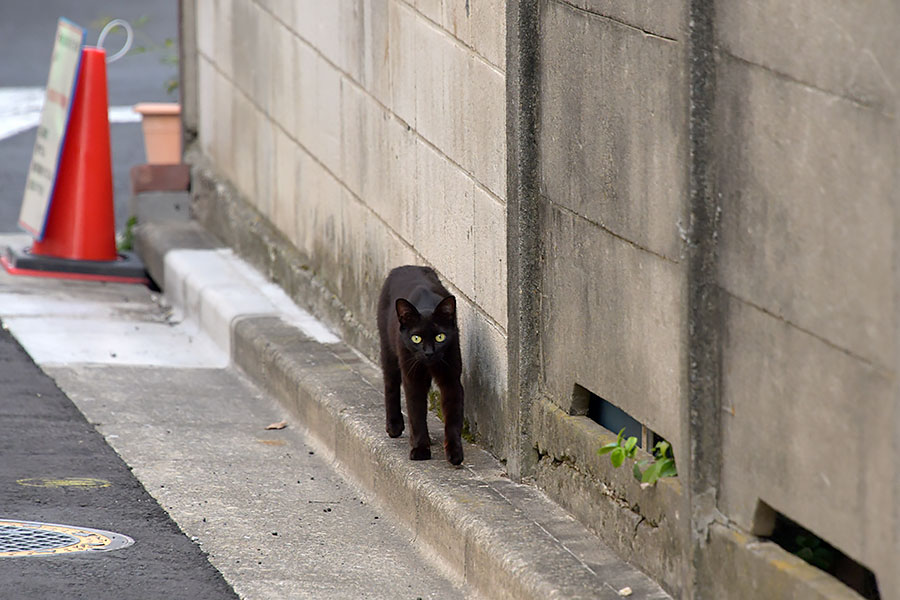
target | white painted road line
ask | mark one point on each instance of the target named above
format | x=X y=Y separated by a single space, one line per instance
x=20 y=110
x=120 y=324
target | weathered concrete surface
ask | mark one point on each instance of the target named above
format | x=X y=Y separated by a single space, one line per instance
x=747 y=568
x=613 y=322
x=783 y=387
x=161 y=206
x=691 y=158
x=614 y=152
x=641 y=525
x=717 y=234
x=149 y=238
x=656 y=17
x=612 y=224
x=470 y=516
x=523 y=233
x=860 y=45
x=791 y=240
x=807 y=176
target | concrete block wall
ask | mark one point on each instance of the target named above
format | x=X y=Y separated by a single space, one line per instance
x=612 y=210
x=808 y=186
x=613 y=144
x=374 y=133
x=371 y=133
x=727 y=277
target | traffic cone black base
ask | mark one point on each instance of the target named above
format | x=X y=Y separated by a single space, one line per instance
x=127 y=269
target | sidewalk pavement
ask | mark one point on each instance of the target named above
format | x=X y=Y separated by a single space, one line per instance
x=267 y=508
x=503 y=539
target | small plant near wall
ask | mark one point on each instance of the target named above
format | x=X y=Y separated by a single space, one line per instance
x=125 y=240
x=814 y=551
x=647 y=471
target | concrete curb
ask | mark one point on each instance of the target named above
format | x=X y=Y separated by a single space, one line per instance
x=506 y=540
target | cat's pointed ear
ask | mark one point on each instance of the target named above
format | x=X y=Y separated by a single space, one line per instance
x=446 y=310
x=406 y=312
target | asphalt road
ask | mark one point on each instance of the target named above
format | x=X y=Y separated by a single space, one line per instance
x=44 y=436
x=26 y=39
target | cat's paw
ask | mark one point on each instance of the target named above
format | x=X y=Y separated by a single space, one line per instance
x=420 y=454
x=454 y=454
x=394 y=428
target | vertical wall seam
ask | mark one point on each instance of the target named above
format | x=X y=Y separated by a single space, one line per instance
x=523 y=227
x=701 y=419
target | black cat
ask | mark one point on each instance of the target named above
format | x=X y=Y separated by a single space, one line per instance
x=420 y=342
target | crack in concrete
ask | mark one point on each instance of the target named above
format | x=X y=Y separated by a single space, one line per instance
x=868 y=105
x=566 y=210
x=594 y=13
x=881 y=370
x=606 y=488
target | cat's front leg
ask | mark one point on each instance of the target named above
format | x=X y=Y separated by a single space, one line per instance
x=452 y=401
x=392 y=381
x=416 y=386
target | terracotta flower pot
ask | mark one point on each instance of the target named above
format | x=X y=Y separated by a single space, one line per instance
x=161 y=122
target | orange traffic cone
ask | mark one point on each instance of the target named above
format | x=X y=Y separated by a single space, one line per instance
x=81 y=223
x=79 y=240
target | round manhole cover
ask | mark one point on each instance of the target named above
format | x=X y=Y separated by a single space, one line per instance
x=26 y=538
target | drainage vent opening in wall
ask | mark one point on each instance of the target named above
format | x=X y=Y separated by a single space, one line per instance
x=613 y=418
x=27 y=538
x=805 y=544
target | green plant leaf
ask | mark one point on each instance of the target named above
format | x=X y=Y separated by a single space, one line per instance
x=661 y=449
x=630 y=443
x=651 y=474
x=823 y=558
x=620 y=436
x=617 y=457
x=807 y=541
x=668 y=468
x=805 y=553
x=607 y=448
x=126 y=240
x=636 y=469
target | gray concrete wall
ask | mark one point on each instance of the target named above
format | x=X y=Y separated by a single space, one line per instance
x=370 y=134
x=806 y=99
x=612 y=211
x=688 y=207
x=716 y=211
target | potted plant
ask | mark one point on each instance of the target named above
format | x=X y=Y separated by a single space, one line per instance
x=161 y=124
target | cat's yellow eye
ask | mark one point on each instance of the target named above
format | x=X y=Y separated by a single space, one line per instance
x=416 y=339
x=440 y=337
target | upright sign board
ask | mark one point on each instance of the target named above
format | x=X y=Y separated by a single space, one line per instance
x=52 y=129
